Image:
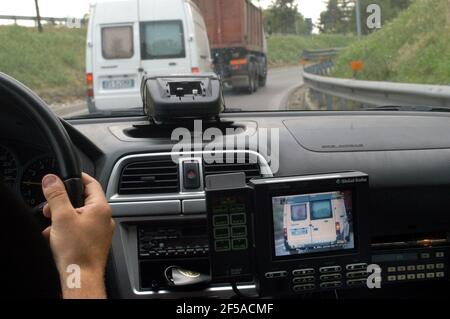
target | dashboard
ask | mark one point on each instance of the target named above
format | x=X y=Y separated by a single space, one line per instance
x=406 y=157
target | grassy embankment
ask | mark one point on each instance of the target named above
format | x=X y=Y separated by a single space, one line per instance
x=51 y=63
x=287 y=50
x=413 y=48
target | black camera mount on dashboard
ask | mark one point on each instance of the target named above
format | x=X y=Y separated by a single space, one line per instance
x=290 y=235
x=176 y=98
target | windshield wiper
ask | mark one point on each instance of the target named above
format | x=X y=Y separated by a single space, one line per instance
x=123 y=113
x=409 y=108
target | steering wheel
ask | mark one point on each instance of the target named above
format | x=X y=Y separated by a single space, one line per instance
x=52 y=130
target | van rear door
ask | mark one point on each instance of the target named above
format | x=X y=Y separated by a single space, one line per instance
x=164 y=43
x=299 y=233
x=117 y=56
x=322 y=220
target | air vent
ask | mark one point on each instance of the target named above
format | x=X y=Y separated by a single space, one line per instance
x=158 y=175
x=249 y=167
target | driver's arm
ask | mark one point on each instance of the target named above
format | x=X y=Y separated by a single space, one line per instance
x=80 y=239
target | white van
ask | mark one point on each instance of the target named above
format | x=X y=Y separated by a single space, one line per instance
x=314 y=220
x=128 y=39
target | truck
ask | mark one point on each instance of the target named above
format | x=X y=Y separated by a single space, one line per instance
x=238 y=42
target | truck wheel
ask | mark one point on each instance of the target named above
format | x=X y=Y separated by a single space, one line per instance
x=263 y=80
x=251 y=85
x=256 y=81
x=251 y=79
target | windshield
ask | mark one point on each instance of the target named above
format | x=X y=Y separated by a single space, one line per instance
x=88 y=58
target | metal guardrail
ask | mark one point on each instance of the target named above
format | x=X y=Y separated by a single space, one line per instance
x=338 y=93
x=320 y=54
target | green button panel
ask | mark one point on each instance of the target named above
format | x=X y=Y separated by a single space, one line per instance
x=221 y=220
x=238 y=219
x=222 y=245
x=221 y=232
x=239 y=231
x=240 y=244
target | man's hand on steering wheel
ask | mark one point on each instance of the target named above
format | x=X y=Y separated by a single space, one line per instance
x=79 y=237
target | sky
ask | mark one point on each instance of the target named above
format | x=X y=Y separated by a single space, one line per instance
x=77 y=8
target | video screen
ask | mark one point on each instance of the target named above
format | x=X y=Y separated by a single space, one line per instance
x=313 y=223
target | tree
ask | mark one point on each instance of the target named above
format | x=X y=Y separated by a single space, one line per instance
x=390 y=9
x=340 y=15
x=283 y=17
x=38 y=16
x=337 y=17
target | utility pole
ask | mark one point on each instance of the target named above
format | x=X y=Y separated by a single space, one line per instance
x=358 y=18
x=38 y=17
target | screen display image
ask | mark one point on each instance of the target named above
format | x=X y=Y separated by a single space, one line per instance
x=313 y=223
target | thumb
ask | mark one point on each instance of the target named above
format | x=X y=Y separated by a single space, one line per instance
x=56 y=195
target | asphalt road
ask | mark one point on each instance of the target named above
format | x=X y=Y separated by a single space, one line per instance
x=273 y=97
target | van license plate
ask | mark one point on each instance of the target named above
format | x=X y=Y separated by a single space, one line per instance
x=118 y=84
x=299 y=231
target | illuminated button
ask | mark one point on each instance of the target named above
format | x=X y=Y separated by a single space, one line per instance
x=440 y=274
x=430 y=266
x=401 y=277
x=300 y=280
x=392 y=269
x=220 y=220
x=330 y=269
x=392 y=278
x=420 y=276
x=401 y=268
x=332 y=284
x=302 y=272
x=420 y=267
x=222 y=245
x=239 y=231
x=330 y=277
x=240 y=244
x=431 y=275
x=357 y=274
x=299 y=288
x=425 y=255
x=440 y=266
x=440 y=254
x=276 y=274
x=411 y=276
x=411 y=268
x=360 y=266
x=238 y=219
x=222 y=232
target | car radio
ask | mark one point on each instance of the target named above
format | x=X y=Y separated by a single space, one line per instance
x=292 y=235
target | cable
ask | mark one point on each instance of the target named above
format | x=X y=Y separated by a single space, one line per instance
x=239 y=294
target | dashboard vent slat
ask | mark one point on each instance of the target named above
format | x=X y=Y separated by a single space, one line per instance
x=155 y=176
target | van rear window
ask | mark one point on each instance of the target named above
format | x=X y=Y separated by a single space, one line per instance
x=298 y=213
x=321 y=210
x=117 y=42
x=162 y=40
